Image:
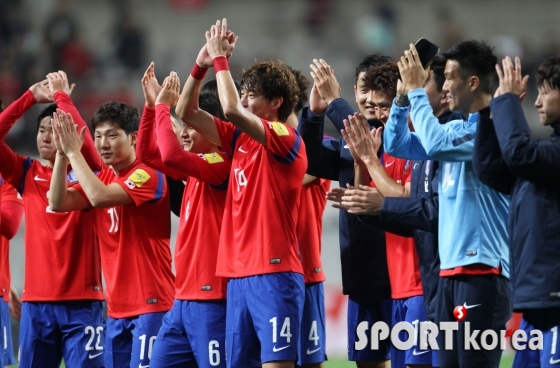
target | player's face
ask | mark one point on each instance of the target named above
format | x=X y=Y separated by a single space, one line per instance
x=258 y=105
x=194 y=142
x=362 y=93
x=434 y=96
x=548 y=105
x=381 y=103
x=113 y=144
x=45 y=143
x=456 y=88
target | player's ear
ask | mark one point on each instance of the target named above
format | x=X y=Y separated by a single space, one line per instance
x=277 y=102
x=132 y=138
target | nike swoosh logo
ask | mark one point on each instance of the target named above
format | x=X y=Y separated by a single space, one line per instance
x=313 y=351
x=416 y=352
x=37 y=178
x=143 y=366
x=274 y=349
x=346 y=146
x=389 y=164
x=554 y=361
x=91 y=356
x=240 y=149
x=471 y=306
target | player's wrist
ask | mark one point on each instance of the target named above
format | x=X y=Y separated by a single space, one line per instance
x=198 y=72
x=220 y=63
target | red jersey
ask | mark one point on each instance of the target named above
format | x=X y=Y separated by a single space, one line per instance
x=134 y=243
x=202 y=211
x=62 y=256
x=260 y=218
x=402 y=259
x=310 y=227
x=202 y=207
x=7 y=194
x=61 y=251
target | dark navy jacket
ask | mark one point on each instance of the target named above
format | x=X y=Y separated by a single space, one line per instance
x=507 y=159
x=362 y=246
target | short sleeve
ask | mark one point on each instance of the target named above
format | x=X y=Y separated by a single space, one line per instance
x=143 y=184
x=283 y=141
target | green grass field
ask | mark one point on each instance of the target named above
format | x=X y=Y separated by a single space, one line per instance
x=506 y=362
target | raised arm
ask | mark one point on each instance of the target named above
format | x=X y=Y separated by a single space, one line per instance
x=10 y=162
x=218 y=48
x=99 y=194
x=365 y=145
x=534 y=160
x=488 y=163
x=187 y=105
x=398 y=140
x=61 y=90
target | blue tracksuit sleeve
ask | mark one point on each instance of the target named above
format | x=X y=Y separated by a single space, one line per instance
x=488 y=163
x=534 y=160
x=339 y=110
x=398 y=140
x=322 y=155
x=452 y=142
x=411 y=213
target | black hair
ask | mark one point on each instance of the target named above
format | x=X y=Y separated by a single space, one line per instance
x=212 y=87
x=48 y=112
x=549 y=73
x=475 y=58
x=120 y=114
x=210 y=103
x=371 y=61
x=303 y=85
x=273 y=79
x=383 y=78
x=437 y=67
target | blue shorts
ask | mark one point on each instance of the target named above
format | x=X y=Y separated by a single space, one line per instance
x=312 y=332
x=8 y=343
x=413 y=311
x=547 y=320
x=129 y=341
x=193 y=333
x=73 y=330
x=371 y=305
x=263 y=318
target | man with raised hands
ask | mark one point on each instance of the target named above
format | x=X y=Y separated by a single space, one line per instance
x=132 y=224
x=62 y=311
x=509 y=160
x=258 y=242
x=193 y=331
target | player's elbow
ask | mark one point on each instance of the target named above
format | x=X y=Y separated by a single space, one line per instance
x=232 y=111
x=56 y=205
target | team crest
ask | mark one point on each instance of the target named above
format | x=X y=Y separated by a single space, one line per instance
x=279 y=128
x=138 y=178
x=72 y=178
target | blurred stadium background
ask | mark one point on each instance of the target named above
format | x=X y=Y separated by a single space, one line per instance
x=105 y=46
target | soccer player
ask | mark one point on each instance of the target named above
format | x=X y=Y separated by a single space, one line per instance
x=507 y=159
x=193 y=331
x=11 y=213
x=132 y=223
x=391 y=176
x=364 y=266
x=473 y=246
x=258 y=243
x=417 y=215
x=62 y=310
